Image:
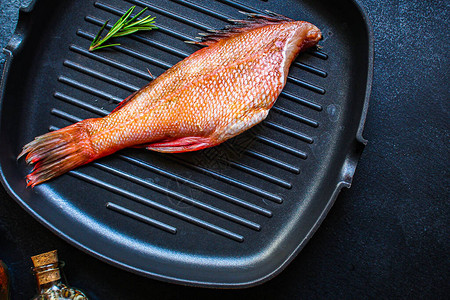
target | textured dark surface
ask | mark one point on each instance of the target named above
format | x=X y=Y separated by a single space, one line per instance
x=385 y=237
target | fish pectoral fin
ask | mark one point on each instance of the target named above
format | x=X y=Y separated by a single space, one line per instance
x=184 y=144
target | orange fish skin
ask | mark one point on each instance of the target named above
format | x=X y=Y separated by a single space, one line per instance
x=213 y=95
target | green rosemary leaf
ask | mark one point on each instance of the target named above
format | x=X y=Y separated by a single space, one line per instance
x=126 y=32
x=124 y=26
x=104 y=46
x=143 y=22
x=97 y=37
x=136 y=16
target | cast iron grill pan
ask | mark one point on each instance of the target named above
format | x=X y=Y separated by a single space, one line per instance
x=228 y=216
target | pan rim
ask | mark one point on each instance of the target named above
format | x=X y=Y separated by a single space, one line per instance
x=14 y=46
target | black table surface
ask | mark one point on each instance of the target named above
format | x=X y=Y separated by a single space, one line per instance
x=386 y=237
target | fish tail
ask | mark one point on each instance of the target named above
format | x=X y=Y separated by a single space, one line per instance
x=58 y=152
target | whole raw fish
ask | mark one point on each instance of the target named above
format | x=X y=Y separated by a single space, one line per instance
x=213 y=95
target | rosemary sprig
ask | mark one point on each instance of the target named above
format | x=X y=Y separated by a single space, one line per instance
x=122 y=27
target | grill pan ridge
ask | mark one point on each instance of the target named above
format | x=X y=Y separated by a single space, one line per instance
x=229 y=216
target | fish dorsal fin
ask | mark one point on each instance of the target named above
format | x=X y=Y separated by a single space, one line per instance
x=125 y=101
x=252 y=22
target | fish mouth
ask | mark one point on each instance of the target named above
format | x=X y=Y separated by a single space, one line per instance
x=314 y=34
x=312 y=37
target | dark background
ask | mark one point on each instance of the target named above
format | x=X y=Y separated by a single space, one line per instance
x=386 y=237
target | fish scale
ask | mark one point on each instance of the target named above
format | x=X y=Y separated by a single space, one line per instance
x=211 y=96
